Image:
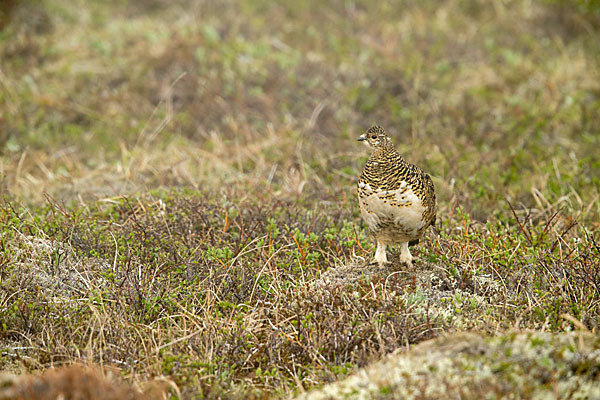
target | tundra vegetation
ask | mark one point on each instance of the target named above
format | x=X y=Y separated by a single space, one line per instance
x=179 y=205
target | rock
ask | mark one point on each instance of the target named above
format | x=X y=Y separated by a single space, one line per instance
x=472 y=366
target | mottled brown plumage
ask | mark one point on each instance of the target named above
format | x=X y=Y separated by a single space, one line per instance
x=396 y=198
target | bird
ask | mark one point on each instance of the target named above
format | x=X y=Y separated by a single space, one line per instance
x=396 y=198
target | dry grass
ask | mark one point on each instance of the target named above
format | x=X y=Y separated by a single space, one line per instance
x=178 y=183
x=236 y=296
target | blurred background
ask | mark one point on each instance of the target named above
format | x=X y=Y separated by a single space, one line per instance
x=497 y=100
x=177 y=188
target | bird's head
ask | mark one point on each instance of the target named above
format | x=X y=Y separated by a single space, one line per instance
x=375 y=138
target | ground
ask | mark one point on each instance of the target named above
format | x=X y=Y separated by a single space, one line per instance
x=179 y=201
x=468 y=366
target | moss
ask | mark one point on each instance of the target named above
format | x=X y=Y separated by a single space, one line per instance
x=178 y=184
x=473 y=366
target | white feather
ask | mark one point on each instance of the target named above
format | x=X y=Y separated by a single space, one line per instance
x=407 y=218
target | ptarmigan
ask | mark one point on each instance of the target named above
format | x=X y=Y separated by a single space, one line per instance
x=396 y=198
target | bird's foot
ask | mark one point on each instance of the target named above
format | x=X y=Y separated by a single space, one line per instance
x=379 y=263
x=406 y=261
x=380 y=256
x=405 y=256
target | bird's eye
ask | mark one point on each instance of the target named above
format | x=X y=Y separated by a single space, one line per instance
x=374 y=137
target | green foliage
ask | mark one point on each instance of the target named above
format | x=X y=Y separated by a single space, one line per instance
x=180 y=182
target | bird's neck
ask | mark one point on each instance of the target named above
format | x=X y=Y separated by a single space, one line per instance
x=386 y=154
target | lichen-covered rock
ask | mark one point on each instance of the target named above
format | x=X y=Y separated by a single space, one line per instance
x=530 y=365
x=451 y=303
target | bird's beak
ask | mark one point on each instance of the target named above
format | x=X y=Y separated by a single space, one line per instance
x=362 y=137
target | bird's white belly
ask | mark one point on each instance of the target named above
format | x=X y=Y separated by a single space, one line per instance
x=400 y=210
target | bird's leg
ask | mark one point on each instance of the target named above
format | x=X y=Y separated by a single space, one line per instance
x=380 y=256
x=405 y=255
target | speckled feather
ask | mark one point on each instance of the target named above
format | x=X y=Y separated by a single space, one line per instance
x=395 y=182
